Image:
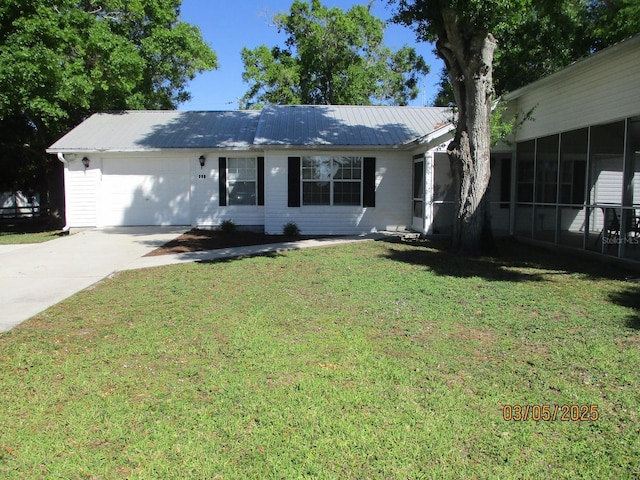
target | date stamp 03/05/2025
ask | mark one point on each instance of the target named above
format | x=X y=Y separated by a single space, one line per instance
x=550 y=413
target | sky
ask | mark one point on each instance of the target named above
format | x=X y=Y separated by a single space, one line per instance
x=229 y=25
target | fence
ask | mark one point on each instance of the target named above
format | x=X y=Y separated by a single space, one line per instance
x=19 y=205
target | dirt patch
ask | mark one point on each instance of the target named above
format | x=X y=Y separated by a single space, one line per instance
x=197 y=240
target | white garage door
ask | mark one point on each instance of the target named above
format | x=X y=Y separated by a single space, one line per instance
x=145 y=191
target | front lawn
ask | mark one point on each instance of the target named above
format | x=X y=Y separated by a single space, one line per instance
x=371 y=360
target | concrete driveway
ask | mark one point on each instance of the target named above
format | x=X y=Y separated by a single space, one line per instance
x=34 y=277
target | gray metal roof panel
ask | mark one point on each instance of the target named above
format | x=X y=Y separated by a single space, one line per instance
x=161 y=129
x=337 y=125
x=302 y=125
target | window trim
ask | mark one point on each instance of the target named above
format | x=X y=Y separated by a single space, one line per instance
x=332 y=181
x=225 y=183
x=294 y=182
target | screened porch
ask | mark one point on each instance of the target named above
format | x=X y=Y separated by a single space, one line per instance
x=582 y=189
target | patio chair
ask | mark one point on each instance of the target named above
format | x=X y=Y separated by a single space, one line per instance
x=633 y=224
x=612 y=223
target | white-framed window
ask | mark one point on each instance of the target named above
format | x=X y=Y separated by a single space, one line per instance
x=242 y=181
x=331 y=180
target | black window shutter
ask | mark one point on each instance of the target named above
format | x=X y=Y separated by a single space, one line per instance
x=294 y=181
x=260 y=180
x=222 y=176
x=369 y=182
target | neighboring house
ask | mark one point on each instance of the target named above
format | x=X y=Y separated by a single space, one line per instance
x=350 y=169
x=19 y=205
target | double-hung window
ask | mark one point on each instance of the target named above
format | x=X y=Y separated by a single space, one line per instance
x=242 y=185
x=331 y=180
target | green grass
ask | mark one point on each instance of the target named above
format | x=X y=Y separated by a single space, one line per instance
x=374 y=360
x=12 y=234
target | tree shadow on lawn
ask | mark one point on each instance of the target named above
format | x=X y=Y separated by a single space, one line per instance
x=518 y=262
x=630 y=298
x=512 y=262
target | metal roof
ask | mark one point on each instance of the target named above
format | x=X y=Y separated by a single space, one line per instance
x=338 y=125
x=160 y=129
x=301 y=125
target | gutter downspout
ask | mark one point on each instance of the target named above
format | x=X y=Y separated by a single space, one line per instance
x=66 y=227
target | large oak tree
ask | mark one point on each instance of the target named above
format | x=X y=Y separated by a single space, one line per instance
x=62 y=60
x=462 y=31
x=537 y=37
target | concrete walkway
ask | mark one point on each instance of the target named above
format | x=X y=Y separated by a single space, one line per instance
x=222 y=253
x=36 y=276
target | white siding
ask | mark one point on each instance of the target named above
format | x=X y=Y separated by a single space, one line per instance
x=595 y=91
x=205 y=192
x=572 y=219
x=206 y=209
x=393 y=198
x=607 y=181
x=81 y=187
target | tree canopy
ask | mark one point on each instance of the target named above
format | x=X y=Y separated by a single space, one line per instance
x=548 y=36
x=610 y=21
x=61 y=61
x=330 y=57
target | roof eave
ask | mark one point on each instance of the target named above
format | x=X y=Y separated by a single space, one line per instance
x=433 y=138
x=151 y=150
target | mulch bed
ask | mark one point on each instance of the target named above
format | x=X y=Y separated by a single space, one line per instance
x=197 y=240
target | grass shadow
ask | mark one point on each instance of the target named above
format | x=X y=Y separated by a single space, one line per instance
x=28 y=232
x=19 y=228
x=629 y=297
x=518 y=262
x=271 y=255
x=513 y=261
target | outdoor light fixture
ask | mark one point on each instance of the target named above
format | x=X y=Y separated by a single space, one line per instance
x=202 y=159
x=85 y=162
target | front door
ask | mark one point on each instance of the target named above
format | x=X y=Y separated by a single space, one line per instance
x=418 y=194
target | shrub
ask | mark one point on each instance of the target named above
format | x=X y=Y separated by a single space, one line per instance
x=291 y=230
x=227 y=226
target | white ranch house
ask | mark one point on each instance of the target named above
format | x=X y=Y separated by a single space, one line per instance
x=568 y=177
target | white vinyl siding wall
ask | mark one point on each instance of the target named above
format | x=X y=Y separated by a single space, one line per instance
x=589 y=93
x=206 y=209
x=81 y=190
x=607 y=181
x=393 y=198
x=205 y=192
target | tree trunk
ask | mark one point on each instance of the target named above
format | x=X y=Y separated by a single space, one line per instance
x=469 y=60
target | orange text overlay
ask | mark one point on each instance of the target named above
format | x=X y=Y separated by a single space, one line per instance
x=549 y=413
